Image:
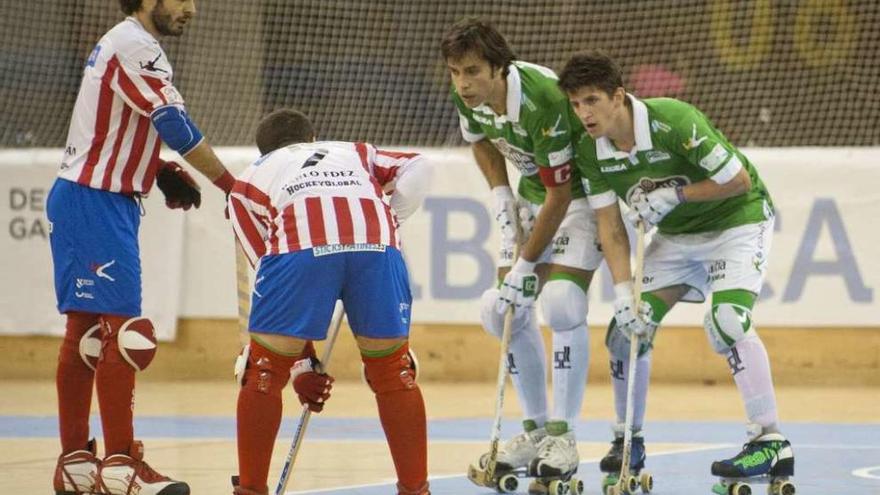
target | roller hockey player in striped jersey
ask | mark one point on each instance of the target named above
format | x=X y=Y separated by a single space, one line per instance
x=126 y=107
x=320 y=221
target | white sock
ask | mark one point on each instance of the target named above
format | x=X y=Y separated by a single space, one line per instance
x=571 y=361
x=750 y=366
x=527 y=365
x=619 y=368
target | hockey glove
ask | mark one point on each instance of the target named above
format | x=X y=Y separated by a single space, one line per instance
x=504 y=209
x=652 y=207
x=179 y=188
x=311 y=386
x=625 y=315
x=519 y=288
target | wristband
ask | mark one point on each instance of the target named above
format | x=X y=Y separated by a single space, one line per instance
x=225 y=181
x=679 y=193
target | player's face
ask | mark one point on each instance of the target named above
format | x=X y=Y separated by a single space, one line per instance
x=170 y=16
x=596 y=109
x=474 y=79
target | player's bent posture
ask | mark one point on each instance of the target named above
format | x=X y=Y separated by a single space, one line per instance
x=126 y=105
x=714 y=216
x=514 y=110
x=315 y=219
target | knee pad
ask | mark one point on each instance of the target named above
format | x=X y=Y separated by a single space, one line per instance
x=726 y=324
x=265 y=371
x=617 y=342
x=395 y=372
x=564 y=305
x=135 y=340
x=493 y=321
x=90 y=346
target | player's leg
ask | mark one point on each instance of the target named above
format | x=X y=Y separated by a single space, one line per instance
x=287 y=311
x=738 y=264
x=378 y=303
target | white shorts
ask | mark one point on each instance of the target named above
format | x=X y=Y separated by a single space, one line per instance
x=576 y=242
x=709 y=262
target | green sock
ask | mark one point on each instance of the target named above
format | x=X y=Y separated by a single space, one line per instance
x=556 y=428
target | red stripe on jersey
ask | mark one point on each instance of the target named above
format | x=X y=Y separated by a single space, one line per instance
x=253 y=194
x=133 y=94
x=364 y=154
x=153 y=166
x=386 y=175
x=102 y=122
x=343 y=220
x=251 y=234
x=316 y=221
x=371 y=218
x=555 y=176
x=391 y=227
x=288 y=219
x=138 y=143
x=120 y=134
x=156 y=85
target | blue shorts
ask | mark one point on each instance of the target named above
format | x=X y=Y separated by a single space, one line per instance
x=295 y=293
x=94 y=239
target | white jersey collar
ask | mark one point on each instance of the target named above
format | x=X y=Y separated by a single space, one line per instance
x=606 y=150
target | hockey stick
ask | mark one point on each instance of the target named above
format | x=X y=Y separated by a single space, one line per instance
x=628 y=483
x=243 y=284
x=485 y=476
x=335 y=323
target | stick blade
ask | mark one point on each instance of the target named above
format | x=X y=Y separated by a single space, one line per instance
x=479 y=477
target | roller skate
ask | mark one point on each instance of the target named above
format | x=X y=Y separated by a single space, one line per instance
x=122 y=474
x=611 y=463
x=556 y=463
x=77 y=472
x=765 y=459
x=511 y=462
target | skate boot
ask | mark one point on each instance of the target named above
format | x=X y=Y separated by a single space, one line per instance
x=122 y=474
x=519 y=451
x=423 y=490
x=77 y=471
x=611 y=463
x=556 y=463
x=766 y=458
x=237 y=489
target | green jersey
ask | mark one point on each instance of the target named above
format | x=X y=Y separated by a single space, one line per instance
x=534 y=134
x=675 y=145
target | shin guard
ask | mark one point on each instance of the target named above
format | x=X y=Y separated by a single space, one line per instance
x=259 y=413
x=402 y=413
x=74 y=381
x=114 y=381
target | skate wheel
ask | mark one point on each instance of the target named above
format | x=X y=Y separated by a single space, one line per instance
x=740 y=489
x=647 y=482
x=631 y=485
x=507 y=483
x=557 y=487
x=781 y=487
x=613 y=490
x=576 y=486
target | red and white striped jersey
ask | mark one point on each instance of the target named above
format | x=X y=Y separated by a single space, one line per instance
x=317 y=194
x=111 y=143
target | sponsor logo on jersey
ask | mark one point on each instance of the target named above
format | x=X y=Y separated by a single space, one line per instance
x=517 y=129
x=655 y=156
x=554 y=131
x=657 y=126
x=171 y=95
x=694 y=142
x=523 y=161
x=100 y=270
x=610 y=169
x=715 y=158
x=560 y=157
x=93 y=57
x=586 y=185
x=482 y=120
x=150 y=65
x=345 y=248
x=648 y=184
x=84 y=282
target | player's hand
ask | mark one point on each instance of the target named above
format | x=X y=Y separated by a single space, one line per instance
x=311 y=386
x=519 y=288
x=179 y=188
x=526 y=220
x=652 y=207
x=504 y=210
x=625 y=314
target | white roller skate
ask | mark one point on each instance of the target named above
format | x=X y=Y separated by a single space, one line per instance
x=122 y=474
x=555 y=466
x=77 y=472
x=511 y=462
x=766 y=458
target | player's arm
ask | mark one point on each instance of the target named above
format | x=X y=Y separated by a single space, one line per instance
x=405 y=176
x=710 y=190
x=247 y=207
x=491 y=163
x=614 y=242
x=549 y=217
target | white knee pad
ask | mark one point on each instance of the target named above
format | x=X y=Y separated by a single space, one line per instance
x=90 y=346
x=137 y=342
x=726 y=324
x=564 y=305
x=493 y=321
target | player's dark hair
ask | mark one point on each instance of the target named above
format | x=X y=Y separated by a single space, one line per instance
x=282 y=128
x=592 y=68
x=473 y=34
x=130 y=6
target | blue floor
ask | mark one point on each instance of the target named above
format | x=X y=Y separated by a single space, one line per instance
x=827 y=455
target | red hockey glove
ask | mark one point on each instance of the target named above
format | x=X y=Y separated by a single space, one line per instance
x=179 y=188
x=311 y=386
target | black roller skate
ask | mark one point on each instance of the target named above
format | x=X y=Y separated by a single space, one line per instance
x=766 y=459
x=611 y=463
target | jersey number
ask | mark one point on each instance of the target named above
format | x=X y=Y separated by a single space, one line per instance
x=315 y=158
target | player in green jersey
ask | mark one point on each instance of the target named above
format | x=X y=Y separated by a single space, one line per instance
x=714 y=221
x=515 y=110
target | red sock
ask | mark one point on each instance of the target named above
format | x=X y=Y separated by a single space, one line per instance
x=114 y=380
x=402 y=413
x=259 y=413
x=74 y=381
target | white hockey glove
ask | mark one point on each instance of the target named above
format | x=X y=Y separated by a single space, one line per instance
x=625 y=315
x=652 y=207
x=505 y=210
x=519 y=288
